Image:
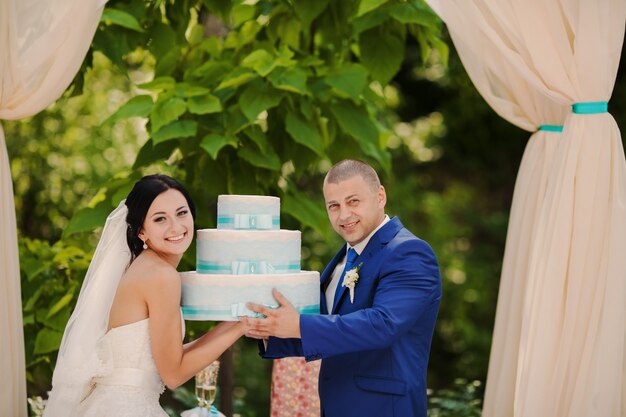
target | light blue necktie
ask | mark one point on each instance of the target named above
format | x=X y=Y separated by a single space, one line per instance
x=351 y=257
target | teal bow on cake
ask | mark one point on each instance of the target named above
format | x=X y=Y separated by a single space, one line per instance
x=240 y=310
x=251 y=267
x=252 y=221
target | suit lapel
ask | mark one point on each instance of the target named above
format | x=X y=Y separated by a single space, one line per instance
x=380 y=239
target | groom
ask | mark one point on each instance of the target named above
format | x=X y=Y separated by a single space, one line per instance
x=374 y=332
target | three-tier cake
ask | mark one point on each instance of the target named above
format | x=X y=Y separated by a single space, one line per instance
x=243 y=259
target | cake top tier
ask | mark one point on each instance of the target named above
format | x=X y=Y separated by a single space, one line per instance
x=248 y=212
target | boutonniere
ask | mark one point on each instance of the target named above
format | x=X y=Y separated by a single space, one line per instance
x=350 y=280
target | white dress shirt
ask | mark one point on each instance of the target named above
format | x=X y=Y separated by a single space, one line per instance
x=334 y=282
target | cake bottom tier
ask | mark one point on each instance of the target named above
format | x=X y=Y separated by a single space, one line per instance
x=224 y=297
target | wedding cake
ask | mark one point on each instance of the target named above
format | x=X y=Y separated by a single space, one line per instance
x=243 y=259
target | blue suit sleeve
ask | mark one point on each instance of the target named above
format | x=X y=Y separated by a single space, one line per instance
x=280 y=348
x=408 y=289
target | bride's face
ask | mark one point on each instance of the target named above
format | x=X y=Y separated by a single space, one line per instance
x=168 y=227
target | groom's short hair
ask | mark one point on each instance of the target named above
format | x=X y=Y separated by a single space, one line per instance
x=348 y=168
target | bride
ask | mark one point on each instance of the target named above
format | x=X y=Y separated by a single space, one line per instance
x=123 y=341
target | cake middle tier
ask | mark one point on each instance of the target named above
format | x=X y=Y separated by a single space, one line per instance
x=221 y=251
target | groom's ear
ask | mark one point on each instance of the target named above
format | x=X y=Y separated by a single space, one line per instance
x=382 y=196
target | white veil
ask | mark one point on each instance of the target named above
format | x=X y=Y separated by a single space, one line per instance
x=77 y=361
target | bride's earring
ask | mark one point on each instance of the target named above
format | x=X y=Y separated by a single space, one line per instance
x=145 y=245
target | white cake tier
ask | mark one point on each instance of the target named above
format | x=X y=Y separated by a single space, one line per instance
x=248 y=212
x=224 y=297
x=221 y=251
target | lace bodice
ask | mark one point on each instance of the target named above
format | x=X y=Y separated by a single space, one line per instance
x=130 y=384
x=128 y=346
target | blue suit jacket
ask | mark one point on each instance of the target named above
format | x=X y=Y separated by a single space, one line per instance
x=374 y=351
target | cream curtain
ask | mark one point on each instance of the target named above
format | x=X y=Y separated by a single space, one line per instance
x=558 y=345
x=43 y=43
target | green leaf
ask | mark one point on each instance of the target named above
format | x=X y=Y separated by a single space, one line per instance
x=120 y=18
x=150 y=153
x=205 y=104
x=64 y=301
x=355 y=121
x=260 y=61
x=213 y=143
x=163 y=39
x=306 y=210
x=175 y=130
x=242 y=13
x=308 y=10
x=236 y=120
x=350 y=80
x=58 y=321
x=284 y=29
x=246 y=34
x=33 y=299
x=289 y=79
x=368 y=5
x=190 y=90
x=369 y=20
x=47 y=340
x=284 y=57
x=167 y=64
x=165 y=111
x=138 y=106
x=407 y=13
x=158 y=84
x=255 y=133
x=304 y=133
x=237 y=77
x=33 y=267
x=258 y=97
x=267 y=160
x=383 y=61
x=88 y=219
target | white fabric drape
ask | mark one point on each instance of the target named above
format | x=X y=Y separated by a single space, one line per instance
x=558 y=347
x=43 y=43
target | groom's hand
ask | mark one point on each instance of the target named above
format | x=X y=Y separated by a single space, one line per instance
x=283 y=322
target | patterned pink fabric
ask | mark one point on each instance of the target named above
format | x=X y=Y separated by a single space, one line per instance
x=294 y=388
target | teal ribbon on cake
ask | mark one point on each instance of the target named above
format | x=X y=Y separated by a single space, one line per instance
x=249 y=221
x=246 y=267
x=235 y=311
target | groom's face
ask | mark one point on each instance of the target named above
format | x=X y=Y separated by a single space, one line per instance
x=354 y=208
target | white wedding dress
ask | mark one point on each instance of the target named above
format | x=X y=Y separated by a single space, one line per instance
x=130 y=385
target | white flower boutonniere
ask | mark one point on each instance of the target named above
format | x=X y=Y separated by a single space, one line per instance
x=350 y=279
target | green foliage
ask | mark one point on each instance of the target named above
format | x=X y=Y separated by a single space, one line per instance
x=463 y=399
x=254 y=95
x=52 y=278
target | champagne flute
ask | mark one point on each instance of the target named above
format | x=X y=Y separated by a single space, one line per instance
x=206 y=385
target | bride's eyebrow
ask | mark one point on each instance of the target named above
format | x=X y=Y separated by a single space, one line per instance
x=162 y=213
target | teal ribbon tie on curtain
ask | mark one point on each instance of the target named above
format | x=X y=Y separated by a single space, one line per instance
x=591 y=107
x=551 y=128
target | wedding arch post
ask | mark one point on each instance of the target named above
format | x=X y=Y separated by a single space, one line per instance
x=558 y=344
x=43 y=44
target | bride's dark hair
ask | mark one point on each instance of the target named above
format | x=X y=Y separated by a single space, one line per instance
x=139 y=200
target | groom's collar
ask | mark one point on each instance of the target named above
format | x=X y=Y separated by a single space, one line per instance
x=362 y=244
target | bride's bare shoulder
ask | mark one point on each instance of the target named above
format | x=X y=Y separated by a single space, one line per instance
x=151 y=269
